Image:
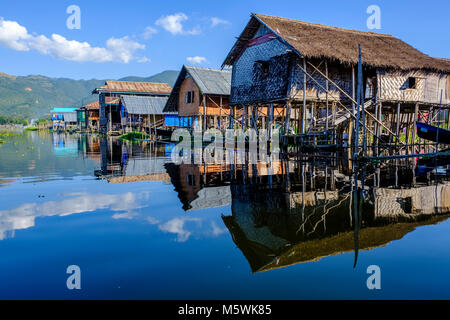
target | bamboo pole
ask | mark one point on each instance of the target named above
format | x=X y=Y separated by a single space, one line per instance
x=204 y=113
x=304 y=97
x=340 y=103
x=326 y=97
x=416 y=110
x=348 y=96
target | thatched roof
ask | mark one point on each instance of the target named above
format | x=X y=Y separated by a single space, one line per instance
x=320 y=41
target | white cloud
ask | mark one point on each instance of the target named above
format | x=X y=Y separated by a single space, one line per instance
x=216 y=21
x=15 y=36
x=216 y=230
x=149 y=32
x=143 y=60
x=23 y=217
x=176 y=226
x=196 y=60
x=173 y=24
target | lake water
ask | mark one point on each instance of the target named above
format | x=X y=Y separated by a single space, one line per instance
x=141 y=227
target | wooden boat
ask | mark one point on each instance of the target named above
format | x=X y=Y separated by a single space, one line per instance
x=428 y=132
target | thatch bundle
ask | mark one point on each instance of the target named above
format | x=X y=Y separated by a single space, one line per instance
x=337 y=44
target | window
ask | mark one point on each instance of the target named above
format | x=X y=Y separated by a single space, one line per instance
x=190 y=179
x=264 y=68
x=411 y=83
x=189 y=97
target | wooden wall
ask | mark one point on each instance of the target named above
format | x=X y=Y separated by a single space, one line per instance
x=191 y=109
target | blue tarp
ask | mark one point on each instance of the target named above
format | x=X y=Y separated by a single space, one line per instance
x=123 y=112
x=176 y=121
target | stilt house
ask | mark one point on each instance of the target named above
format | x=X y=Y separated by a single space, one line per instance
x=309 y=71
x=201 y=95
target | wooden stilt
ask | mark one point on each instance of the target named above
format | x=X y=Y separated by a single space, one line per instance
x=304 y=97
x=416 y=110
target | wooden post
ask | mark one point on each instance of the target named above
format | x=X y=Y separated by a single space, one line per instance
x=110 y=120
x=286 y=121
x=416 y=110
x=397 y=130
x=204 y=113
x=375 y=130
x=326 y=97
x=379 y=128
x=244 y=118
x=333 y=111
x=270 y=120
x=352 y=127
x=220 y=118
x=304 y=97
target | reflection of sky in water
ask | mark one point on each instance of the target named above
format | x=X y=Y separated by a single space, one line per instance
x=147 y=204
x=134 y=240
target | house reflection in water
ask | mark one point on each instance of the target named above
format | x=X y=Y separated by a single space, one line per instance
x=123 y=162
x=298 y=211
x=276 y=227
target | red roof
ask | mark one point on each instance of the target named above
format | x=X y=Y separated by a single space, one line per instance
x=131 y=86
x=92 y=106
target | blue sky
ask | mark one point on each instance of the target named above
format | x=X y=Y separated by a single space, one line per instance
x=113 y=42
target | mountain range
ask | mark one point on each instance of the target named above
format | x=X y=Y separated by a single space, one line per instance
x=31 y=97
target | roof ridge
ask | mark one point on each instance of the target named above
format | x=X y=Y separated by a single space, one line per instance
x=136 y=82
x=207 y=68
x=368 y=33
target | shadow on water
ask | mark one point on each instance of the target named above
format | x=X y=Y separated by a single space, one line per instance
x=299 y=210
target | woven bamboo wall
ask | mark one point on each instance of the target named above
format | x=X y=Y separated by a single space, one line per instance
x=394 y=87
x=424 y=200
x=248 y=86
x=315 y=88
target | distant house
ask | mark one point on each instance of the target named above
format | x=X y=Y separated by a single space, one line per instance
x=111 y=111
x=64 y=118
x=200 y=97
x=88 y=116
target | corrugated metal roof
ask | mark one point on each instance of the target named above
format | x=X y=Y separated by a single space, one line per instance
x=70 y=116
x=63 y=110
x=212 y=197
x=144 y=105
x=141 y=167
x=131 y=86
x=211 y=81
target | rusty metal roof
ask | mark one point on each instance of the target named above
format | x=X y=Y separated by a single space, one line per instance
x=92 y=106
x=135 y=87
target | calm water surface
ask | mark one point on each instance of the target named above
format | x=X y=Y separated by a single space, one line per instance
x=141 y=227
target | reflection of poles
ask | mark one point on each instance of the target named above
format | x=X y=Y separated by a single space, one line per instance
x=303 y=196
x=438 y=124
x=356 y=209
x=325 y=197
x=358 y=102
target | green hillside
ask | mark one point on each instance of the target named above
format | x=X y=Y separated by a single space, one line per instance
x=34 y=96
x=168 y=76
